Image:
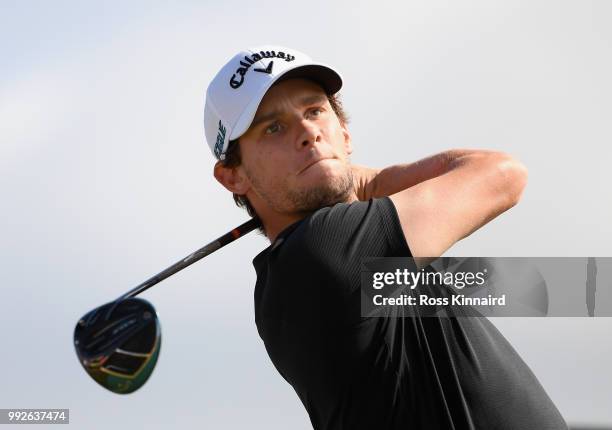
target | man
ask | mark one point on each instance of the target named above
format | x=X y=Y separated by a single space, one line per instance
x=274 y=121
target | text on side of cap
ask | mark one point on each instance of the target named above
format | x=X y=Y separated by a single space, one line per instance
x=220 y=140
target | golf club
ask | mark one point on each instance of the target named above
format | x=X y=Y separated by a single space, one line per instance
x=118 y=343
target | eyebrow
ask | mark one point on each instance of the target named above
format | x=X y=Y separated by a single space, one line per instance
x=317 y=98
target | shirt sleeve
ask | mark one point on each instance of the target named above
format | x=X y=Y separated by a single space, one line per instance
x=313 y=271
x=363 y=228
x=338 y=237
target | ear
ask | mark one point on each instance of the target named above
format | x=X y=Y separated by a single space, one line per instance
x=348 y=144
x=232 y=178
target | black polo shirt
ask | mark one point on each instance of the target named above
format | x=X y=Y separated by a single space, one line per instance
x=352 y=372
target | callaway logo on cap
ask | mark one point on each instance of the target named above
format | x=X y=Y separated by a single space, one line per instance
x=233 y=96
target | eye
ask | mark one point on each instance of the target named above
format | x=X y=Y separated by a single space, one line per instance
x=316 y=111
x=272 y=128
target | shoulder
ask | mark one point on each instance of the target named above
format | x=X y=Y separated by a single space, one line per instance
x=373 y=213
x=360 y=227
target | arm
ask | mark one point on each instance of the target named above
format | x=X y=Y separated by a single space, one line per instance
x=446 y=197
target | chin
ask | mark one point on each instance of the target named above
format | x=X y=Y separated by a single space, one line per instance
x=324 y=188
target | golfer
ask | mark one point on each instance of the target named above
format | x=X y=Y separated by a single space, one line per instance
x=276 y=125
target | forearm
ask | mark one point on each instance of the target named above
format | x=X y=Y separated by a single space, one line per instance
x=393 y=179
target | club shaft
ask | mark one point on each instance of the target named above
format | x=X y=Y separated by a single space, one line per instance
x=229 y=237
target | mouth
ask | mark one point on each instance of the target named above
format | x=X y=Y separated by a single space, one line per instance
x=312 y=164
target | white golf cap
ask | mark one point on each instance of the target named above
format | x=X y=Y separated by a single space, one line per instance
x=234 y=94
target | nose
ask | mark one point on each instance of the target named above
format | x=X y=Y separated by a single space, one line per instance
x=309 y=134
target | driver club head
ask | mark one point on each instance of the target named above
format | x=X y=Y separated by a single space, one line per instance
x=118 y=344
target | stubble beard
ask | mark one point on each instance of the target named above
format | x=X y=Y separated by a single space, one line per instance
x=286 y=199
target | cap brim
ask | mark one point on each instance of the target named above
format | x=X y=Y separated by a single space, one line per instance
x=328 y=78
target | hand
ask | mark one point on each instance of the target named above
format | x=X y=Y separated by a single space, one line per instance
x=364 y=181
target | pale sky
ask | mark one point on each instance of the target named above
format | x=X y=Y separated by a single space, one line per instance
x=106 y=180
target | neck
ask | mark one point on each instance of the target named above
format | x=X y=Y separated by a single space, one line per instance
x=274 y=222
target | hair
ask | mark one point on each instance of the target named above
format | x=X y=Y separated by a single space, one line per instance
x=233 y=157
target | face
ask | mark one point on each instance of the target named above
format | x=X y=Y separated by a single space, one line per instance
x=295 y=155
